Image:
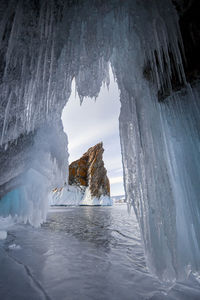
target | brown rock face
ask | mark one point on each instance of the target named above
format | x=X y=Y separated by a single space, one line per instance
x=89 y=171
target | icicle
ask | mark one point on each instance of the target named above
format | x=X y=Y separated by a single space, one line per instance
x=6 y=116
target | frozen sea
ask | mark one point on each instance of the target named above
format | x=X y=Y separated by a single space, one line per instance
x=82 y=253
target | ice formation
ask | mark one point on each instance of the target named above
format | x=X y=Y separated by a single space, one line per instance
x=74 y=195
x=43 y=46
x=70 y=195
x=43 y=169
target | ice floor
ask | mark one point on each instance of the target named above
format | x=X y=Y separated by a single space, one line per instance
x=82 y=253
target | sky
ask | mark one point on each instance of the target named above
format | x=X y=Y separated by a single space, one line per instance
x=92 y=122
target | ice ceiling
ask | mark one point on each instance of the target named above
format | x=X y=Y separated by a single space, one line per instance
x=44 y=45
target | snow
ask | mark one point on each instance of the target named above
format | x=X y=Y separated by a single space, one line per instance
x=14 y=247
x=5 y=224
x=3 y=234
x=74 y=195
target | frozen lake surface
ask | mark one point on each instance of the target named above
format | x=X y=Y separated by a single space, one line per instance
x=82 y=253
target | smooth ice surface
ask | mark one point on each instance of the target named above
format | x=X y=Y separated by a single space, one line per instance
x=44 y=45
x=83 y=253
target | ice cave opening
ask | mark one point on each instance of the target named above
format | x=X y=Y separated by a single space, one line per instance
x=89 y=123
x=44 y=45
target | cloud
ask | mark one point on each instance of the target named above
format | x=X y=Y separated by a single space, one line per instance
x=92 y=133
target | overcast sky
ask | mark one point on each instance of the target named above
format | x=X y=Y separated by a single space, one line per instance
x=93 y=122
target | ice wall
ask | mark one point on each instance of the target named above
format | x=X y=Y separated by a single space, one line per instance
x=160 y=142
x=181 y=128
x=43 y=46
x=45 y=168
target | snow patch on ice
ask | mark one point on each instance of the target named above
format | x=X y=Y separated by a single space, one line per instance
x=5 y=223
x=3 y=234
x=14 y=247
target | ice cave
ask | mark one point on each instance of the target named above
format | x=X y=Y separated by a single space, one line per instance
x=152 y=48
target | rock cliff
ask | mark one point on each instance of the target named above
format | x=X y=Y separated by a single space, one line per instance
x=88 y=182
x=89 y=171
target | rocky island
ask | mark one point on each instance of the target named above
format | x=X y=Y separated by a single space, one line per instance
x=88 y=181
